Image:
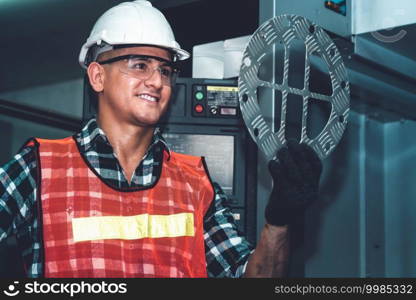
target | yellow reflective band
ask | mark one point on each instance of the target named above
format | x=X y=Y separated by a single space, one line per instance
x=133 y=227
x=212 y=88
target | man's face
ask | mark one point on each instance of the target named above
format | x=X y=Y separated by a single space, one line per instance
x=129 y=99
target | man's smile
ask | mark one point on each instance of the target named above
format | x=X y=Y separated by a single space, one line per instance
x=148 y=97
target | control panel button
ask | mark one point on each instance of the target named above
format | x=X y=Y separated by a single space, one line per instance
x=199 y=96
x=199 y=108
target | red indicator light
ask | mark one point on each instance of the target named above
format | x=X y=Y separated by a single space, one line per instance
x=199 y=108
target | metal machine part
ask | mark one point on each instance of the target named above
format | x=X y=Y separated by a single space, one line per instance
x=347 y=18
x=285 y=30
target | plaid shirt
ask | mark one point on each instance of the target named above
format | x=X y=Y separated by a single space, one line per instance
x=227 y=251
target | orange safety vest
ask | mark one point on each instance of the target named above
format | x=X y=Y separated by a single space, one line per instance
x=93 y=230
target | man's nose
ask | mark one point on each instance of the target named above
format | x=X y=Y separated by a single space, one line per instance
x=155 y=78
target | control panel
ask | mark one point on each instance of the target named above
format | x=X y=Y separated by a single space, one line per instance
x=216 y=101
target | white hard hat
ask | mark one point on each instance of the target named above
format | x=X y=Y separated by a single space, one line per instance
x=136 y=22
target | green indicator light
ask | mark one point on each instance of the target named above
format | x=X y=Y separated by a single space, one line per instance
x=199 y=96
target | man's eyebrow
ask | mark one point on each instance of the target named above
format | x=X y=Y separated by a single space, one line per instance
x=141 y=58
x=148 y=57
x=168 y=63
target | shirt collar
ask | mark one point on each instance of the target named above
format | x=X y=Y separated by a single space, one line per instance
x=91 y=134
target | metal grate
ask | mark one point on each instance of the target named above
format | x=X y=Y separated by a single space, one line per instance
x=285 y=29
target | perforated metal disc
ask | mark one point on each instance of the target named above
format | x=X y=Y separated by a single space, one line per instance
x=285 y=29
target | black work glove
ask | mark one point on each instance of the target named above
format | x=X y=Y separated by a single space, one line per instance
x=295 y=172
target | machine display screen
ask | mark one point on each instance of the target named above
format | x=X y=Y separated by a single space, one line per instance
x=218 y=151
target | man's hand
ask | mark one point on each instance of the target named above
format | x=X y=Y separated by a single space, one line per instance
x=295 y=173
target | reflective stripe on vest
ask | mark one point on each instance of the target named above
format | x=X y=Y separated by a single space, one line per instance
x=93 y=230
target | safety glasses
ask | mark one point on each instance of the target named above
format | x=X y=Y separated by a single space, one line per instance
x=143 y=66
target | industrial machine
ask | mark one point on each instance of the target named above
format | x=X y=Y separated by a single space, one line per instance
x=359 y=226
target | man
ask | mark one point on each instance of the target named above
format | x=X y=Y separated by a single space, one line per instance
x=114 y=201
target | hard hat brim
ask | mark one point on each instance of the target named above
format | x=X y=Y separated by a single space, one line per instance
x=179 y=54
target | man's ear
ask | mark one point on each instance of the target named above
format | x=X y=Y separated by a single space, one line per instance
x=96 y=76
